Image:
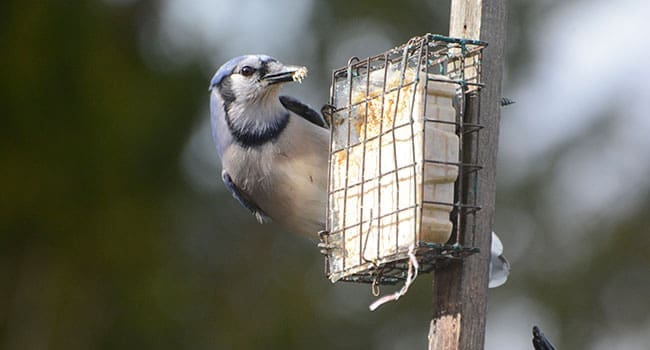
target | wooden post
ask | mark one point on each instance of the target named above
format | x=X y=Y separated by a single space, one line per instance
x=460 y=289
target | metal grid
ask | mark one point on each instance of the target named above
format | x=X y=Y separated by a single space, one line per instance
x=454 y=61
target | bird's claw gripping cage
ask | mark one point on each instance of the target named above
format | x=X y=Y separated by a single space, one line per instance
x=401 y=153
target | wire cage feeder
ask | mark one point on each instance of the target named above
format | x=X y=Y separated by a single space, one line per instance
x=401 y=152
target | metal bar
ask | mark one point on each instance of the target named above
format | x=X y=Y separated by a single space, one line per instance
x=422 y=44
x=379 y=167
x=394 y=140
x=328 y=224
x=389 y=172
x=347 y=161
x=385 y=215
x=420 y=189
x=363 y=165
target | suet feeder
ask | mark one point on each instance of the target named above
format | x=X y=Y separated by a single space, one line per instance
x=398 y=160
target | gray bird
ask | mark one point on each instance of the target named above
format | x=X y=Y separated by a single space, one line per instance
x=273 y=148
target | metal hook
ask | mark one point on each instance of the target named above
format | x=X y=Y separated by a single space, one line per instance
x=353 y=60
x=376 y=291
x=365 y=244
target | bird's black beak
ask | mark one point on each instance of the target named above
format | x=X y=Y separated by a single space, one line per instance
x=286 y=74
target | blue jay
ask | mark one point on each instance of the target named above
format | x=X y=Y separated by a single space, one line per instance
x=274 y=148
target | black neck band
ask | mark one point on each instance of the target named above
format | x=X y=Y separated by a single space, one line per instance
x=251 y=138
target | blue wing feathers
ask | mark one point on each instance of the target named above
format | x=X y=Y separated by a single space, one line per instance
x=241 y=198
x=303 y=110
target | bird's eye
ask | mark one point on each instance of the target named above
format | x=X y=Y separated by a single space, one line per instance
x=247 y=71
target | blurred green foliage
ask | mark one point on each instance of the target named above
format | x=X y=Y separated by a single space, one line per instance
x=105 y=245
x=90 y=146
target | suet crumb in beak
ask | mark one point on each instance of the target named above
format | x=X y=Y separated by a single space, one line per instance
x=300 y=74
